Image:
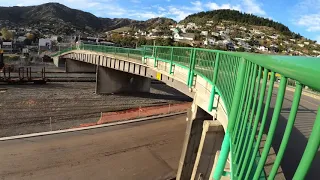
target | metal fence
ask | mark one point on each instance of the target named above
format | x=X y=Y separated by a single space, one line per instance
x=245 y=83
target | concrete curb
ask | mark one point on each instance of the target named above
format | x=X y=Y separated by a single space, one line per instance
x=88 y=128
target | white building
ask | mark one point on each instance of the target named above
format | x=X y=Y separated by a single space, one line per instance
x=7 y=46
x=215 y=34
x=262 y=48
x=301 y=45
x=192 y=26
x=243 y=28
x=183 y=36
x=45 y=44
x=306 y=43
x=21 y=38
x=204 y=33
x=209 y=41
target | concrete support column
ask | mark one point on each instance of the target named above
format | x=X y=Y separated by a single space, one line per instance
x=203 y=138
x=74 y=66
x=112 y=81
x=59 y=62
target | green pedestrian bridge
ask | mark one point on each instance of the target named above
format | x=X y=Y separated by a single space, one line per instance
x=234 y=88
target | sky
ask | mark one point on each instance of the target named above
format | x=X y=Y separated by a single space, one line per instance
x=301 y=16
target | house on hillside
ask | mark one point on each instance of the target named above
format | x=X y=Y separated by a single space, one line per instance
x=183 y=36
x=45 y=44
x=7 y=46
x=204 y=33
x=191 y=25
x=21 y=39
x=262 y=48
x=220 y=27
x=209 y=41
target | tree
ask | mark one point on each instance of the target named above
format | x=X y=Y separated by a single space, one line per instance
x=241 y=49
x=59 y=39
x=7 y=35
x=27 y=42
x=30 y=36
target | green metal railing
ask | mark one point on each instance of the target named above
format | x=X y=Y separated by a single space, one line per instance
x=245 y=83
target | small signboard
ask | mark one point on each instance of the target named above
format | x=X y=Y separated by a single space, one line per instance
x=159 y=76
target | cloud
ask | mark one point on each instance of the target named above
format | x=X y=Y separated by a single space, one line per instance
x=311 y=22
x=135 y=1
x=178 y=14
x=214 y=6
x=251 y=6
x=161 y=9
x=197 y=6
x=145 y=15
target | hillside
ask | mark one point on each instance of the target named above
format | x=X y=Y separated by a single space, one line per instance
x=61 y=18
x=218 y=16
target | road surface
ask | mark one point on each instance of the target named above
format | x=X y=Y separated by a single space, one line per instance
x=144 y=150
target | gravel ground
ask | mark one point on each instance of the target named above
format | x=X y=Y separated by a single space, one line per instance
x=29 y=108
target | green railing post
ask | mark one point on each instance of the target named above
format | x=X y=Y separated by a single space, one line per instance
x=286 y=135
x=231 y=121
x=171 y=60
x=273 y=125
x=128 y=53
x=191 y=67
x=310 y=151
x=214 y=80
x=155 y=57
x=144 y=55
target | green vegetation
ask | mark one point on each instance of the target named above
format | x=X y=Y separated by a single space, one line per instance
x=122 y=29
x=239 y=17
x=7 y=35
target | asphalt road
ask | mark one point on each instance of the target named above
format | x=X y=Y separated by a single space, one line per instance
x=299 y=137
x=144 y=150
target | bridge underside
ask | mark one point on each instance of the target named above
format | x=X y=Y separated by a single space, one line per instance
x=112 y=81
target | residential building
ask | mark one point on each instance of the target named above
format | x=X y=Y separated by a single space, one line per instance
x=183 y=36
x=21 y=39
x=45 y=44
x=192 y=25
x=7 y=47
x=262 y=48
x=215 y=34
x=204 y=33
x=209 y=41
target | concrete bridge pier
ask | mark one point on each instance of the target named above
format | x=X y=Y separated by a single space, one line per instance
x=59 y=61
x=203 y=139
x=112 y=81
x=75 y=66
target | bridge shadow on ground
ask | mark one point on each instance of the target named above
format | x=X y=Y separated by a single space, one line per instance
x=160 y=91
x=298 y=138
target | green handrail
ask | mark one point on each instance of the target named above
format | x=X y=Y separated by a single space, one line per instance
x=239 y=78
